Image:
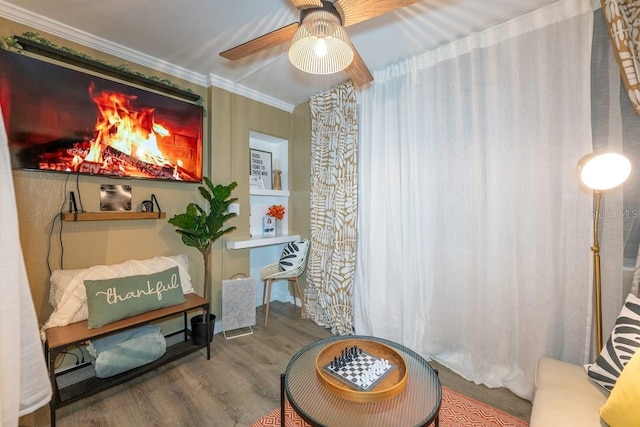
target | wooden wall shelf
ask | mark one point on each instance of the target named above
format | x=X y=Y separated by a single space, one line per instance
x=259 y=241
x=273 y=193
x=111 y=216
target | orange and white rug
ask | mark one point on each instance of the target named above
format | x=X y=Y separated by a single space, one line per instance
x=457 y=410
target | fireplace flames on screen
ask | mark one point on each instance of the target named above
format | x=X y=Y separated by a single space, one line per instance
x=125 y=138
x=124 y=143
x=129 y=131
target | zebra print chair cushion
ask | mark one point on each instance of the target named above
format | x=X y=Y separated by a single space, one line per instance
x=621 y=346
x=293 y=255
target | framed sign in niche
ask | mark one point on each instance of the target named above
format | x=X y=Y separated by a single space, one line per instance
x=261 y=166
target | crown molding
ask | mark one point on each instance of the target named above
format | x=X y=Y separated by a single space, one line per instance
x=217 y=81
x=42 y=23
x=74 y=35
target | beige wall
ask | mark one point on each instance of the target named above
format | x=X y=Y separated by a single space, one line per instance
x=245 y=115
x=228 y=120
x=300 y=169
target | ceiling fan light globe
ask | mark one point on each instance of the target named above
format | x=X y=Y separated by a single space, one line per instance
x=307 y=52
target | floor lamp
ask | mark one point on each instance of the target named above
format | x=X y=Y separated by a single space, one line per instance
x=601 y=172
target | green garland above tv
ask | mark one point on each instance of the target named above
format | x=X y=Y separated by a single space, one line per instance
x=33 y=43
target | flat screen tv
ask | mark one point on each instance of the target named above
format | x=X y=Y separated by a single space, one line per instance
x=63 y=120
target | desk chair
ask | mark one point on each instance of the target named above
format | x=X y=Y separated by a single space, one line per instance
x=289 y=267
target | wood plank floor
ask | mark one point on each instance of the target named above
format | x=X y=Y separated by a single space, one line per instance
x=240 y=383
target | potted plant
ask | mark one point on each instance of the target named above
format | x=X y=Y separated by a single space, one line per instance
x=201 y=227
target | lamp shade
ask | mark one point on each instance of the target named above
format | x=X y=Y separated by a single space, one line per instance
x=604 y=171
x=320 y=44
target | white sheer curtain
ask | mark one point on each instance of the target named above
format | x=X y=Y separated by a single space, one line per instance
x=473 y=231
x=606 y=111
x=24 y=381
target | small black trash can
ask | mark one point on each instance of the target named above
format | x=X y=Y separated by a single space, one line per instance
x=199 y=329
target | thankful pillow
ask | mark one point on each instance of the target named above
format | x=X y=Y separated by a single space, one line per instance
x=109 y=300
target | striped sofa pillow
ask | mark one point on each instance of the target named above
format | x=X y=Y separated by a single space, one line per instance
x=621 y=346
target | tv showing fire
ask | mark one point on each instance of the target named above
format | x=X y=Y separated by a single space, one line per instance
x=63 y=120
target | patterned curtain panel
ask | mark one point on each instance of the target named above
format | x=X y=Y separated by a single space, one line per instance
x=623 y=20
x=334 y=187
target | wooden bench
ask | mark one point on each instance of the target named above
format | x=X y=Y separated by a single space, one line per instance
x=58 y=339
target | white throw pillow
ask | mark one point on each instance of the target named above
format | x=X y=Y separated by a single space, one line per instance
x=293 y=254
x=621 y=346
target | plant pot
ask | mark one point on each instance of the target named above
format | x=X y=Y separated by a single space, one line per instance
x=199 y=329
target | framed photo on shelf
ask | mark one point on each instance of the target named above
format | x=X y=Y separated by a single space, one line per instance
x=261 y=166
x=268 y=226
x=256 y=182
x=115 y=197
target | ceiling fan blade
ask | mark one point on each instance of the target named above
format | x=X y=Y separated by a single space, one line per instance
x=354 y=11
x=358 y=71
x=267 y=41
x=306 y=4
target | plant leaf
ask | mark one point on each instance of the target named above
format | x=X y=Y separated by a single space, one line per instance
x=200 y=229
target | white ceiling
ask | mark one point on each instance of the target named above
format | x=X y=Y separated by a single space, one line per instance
x=184 y=38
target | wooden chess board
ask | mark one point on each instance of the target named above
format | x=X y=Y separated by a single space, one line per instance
x=343 y=376
x=358 y=369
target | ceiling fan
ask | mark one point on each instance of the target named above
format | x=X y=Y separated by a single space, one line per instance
x=319 y=43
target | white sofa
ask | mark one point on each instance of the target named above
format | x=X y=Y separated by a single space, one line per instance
x=565 y=397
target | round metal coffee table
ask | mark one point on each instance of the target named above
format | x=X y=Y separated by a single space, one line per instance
x=417 y=405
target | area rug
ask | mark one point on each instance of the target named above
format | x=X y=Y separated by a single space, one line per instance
x=457 y=410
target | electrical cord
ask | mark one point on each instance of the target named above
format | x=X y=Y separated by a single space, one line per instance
x=81 y=352
x=49 y=244
x=64 y=354
x=78 y=191
x=61 y=243
x=53 y=224
x=59 y=215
